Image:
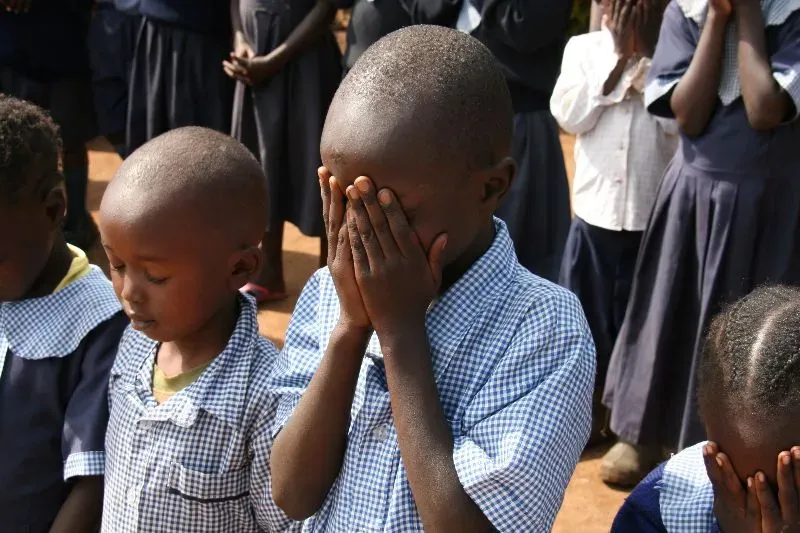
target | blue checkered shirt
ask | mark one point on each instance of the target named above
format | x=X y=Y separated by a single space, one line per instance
x=686 y=497
x=514 y=363
x=199 y=461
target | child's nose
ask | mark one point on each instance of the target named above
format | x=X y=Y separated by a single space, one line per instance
x=131 y=289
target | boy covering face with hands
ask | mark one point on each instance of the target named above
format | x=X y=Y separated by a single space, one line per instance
x=427 y=380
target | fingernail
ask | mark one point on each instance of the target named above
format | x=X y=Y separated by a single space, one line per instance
x=707 y=450
x=331 y=181
x=761 y=478
x=351 y=192
x=786 y=459
x=796 y=452
x=384 y=197
x=362 y=184
x=749 y=483
x=719 y=461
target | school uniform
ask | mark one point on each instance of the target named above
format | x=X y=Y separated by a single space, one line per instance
x=176 y=75
x=621 y=152
x=527 y=38
x=726 y=219
x=676 y=497
x=514 y=364
x=55 y=355
x=112 y=42
x=200 y=460
x=282 y=119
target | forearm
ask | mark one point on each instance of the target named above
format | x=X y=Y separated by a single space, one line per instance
x=310 y=29
x=236 y=17
x=307 y=454
x=767 y=105
x=83 y=508
x=424 y=436
x=695 y=97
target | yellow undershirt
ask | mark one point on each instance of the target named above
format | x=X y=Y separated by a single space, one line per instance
x=77 y=269
x=165 y=388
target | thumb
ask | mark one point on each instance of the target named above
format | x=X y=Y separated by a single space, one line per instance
x=436 y=258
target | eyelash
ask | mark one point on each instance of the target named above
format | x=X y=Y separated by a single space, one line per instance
x=148 y=277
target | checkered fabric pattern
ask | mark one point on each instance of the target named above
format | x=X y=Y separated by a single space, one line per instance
x=686 y=496
x=54 y=326
x=200 y=461
x=775 y=13
x=514 y=363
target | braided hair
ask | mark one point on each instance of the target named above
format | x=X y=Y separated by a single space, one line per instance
x=751 y=359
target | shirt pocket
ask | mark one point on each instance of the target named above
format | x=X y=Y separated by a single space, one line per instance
x=209 y=488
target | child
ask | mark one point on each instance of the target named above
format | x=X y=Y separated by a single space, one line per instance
x=59 y=329
x=189 y=431
x=112 y=42
x=528 y=40
x=44 y=59
x=749 y=394
x=620 y=155
x=469 y=405
x=289 y=66
x=176 y=78
x=726 y=215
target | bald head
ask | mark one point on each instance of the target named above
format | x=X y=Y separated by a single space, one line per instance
x=430 y=86
x=206 y=179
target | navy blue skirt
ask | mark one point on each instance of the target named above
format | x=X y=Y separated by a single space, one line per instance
x=536 y=207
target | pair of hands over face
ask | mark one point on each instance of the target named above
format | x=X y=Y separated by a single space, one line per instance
x=384 y=278
x=752 y=507
x=634 y=25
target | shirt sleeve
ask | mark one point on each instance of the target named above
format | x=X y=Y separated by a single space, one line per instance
x=641 y=513
x=786 y=60
x=300 y=357
x=526 y=428
x=524 y=25
x=86 y=417
x=268 y=515
x=677 y=43
x=578 y=102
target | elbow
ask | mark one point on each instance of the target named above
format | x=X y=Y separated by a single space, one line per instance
x=690 y=128
x=761 y=118
x=294 y=503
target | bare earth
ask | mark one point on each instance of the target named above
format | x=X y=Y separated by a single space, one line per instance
x=589 y=506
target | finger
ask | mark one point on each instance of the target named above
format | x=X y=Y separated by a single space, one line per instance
x=336 y=212
x=436 y=258
x=753 y=516
x=365 y=230
x=770 y=512
x=713 y=467
x=377 y=217
x=360 y=258
x=796 y=468
x=787 y=493
x=615 y=5
x=733 y=486
x=235 y=67
x=404 y=236
x=325 y=196
x=625 y=14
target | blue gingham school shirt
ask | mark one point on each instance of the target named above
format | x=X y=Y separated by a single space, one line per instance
x=514 y=363
x=55 y=356
x=199 y=461
x=677 y=497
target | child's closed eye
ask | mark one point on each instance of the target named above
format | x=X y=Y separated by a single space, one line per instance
x=155 y=280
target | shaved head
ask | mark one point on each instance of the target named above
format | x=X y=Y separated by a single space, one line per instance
x=207 y=180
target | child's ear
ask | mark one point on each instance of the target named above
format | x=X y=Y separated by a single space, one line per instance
x=245 y=266
x=55 y=206
x=497 y=180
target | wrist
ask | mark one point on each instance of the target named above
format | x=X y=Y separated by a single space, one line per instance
x=347 y=329
x=717 y=20
x=402 y=336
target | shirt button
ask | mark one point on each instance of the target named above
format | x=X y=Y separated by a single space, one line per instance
x=380 y=433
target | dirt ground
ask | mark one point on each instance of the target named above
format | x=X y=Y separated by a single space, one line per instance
x=589 y=506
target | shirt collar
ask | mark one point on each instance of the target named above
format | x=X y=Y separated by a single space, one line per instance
x=73 y=312
x=686 y=497
x=221 y=389
x=451 y=316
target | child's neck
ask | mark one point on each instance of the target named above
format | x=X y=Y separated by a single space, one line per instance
x=482 y=242
x=204 y=345
x=56 y=267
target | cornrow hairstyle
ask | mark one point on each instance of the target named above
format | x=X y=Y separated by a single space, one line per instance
x=449 y=80
x=751 y=360
x=30 y=148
